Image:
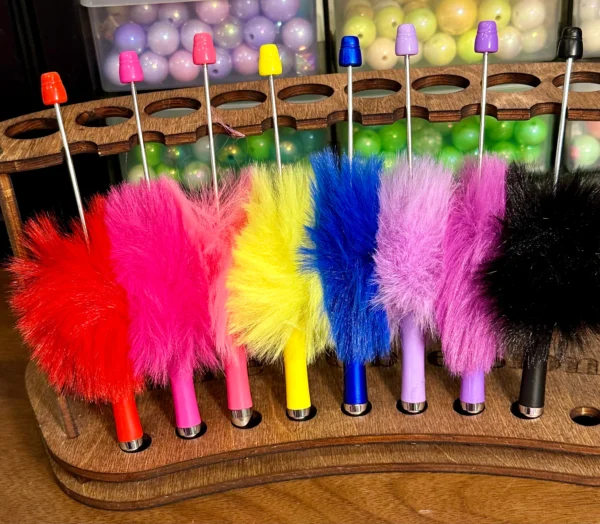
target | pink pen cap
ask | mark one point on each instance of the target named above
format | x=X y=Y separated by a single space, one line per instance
x=130 y=69
x=486 y=40
x=204 y=49
x=406 y=40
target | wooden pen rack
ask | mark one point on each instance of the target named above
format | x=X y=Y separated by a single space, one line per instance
x=563 y=445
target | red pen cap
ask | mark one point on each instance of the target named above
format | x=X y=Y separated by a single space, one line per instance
x=204 y=49
x=53 y=90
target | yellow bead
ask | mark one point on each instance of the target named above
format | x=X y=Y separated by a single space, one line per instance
x=381 y=54
x=387 y=21
x=456 y=17
x=269 y=62
x=497 y=10
x=363 y=28
x=360 y=10
x=440 y=49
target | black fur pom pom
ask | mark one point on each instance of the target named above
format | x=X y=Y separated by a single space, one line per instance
x=545 y=280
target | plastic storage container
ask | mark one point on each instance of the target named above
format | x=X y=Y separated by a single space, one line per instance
x=528 y=29
x=586 y=14
x=163 y=33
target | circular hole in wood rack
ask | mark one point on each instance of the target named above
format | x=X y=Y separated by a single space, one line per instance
x=440 y=81
x=305 y=93
x=513 y=82
x=374 y=87
x=33 y=128
x=589 y=78
x=155 y=108
x=585 y=416
x=242 y=99
x=97 y=117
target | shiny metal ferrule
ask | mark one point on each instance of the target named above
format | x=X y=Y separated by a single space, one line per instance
x=240 y=418
x=132 y=446
x=472 y=409
x=528 y=412
x=189 y=433
x=356 y=410
x=298 y=414
x=414 y=408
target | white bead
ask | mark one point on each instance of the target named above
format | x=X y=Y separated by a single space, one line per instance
x=586 y=10
x=510 y=43
x=528 y=14
x=534 y=40
x=381 y=54
x=591 y=37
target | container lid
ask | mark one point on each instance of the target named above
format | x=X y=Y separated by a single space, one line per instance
x=119 y=3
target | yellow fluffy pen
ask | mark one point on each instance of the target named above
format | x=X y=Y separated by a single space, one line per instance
x=275 y=308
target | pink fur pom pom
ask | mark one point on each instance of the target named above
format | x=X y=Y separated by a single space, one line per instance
x=413 y=216
x=160 y=270
x=465 y=318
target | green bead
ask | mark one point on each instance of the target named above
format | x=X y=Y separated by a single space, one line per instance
x=290 y=147
x=499 y=130
x=451 y=157
x=196 y=175
x=178 y=155
x=260 y=147
x=232 y=154
x=530 y=154
x=342 y=132
x=389 y=160
x=506 y=150
x=427 y=142
x=531 y=132
x=444 y=128
x=168 y=171
x=313 y=140
x=136 y=174
x=367 y=143
x=585 y=151
x=154 y=153
x=418 y=124
x=465 y=135
x=393 y=137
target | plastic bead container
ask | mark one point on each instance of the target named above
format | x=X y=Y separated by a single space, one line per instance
x=163 y=33
x=586 y=14
x=528 y=29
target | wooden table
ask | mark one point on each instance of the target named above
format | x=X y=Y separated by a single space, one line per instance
x=28 y=492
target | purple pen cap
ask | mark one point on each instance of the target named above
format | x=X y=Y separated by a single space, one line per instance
x=130 y=69
x=406 y=40
x=486 y=40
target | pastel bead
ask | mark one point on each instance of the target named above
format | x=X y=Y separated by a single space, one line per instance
x=155 y=68
x=144 y=14
x=212 y=11
x=298 y=34
x=585 y=10
x=381 y=54
x=189 y=30
x=110 y=68
x=465 y=46
x=427 y=142
x=510 y=43
x=440 y=49
x=130 y=37
x=176 y=13
x=163 y=38
x=201 y=148
x=229 y=33
x=497 y=10
x=387 y=21
x=288 y=58
x=222 y=67
x=280 y=10
x=424 y=21
x=136 y=174
x=244 y=9
x=245 y=60
x=591 y=37
x=361 y=27
x=196 y=175
x=593 y=128
x=534 y=40
x=585 y=151
x=360 y=10
x=259 y=31
x=182 y=67
x=528 y=14
x=455 y=17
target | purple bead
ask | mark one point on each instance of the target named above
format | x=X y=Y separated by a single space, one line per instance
x=189 y=30
x=155 y=68
x=280 y=10
x=130 y=37
x=163 y=38
x=287 y=58
x=182 y=67
x=245 y=60
x=259 y=31
x=110 y=69
x=176 y=14
x=229 y=33
x=222 y=67
x=244 y=9
x=144 y=14
x=212 y=11
x=298 y=34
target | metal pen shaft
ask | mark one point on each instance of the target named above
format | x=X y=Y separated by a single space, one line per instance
x=275 y=123
x=211 y=138
x=563 y=120
x=408 y=111
x=483 y=109
x=71 y=168
x=350 y=116
x=138 y=123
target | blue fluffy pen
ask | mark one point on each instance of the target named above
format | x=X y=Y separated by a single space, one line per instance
x=346 y=204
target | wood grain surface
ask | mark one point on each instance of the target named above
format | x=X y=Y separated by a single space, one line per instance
x=30 y=493
x=19 y=152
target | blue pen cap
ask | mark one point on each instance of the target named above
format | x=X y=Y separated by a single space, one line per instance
x=350 y=54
